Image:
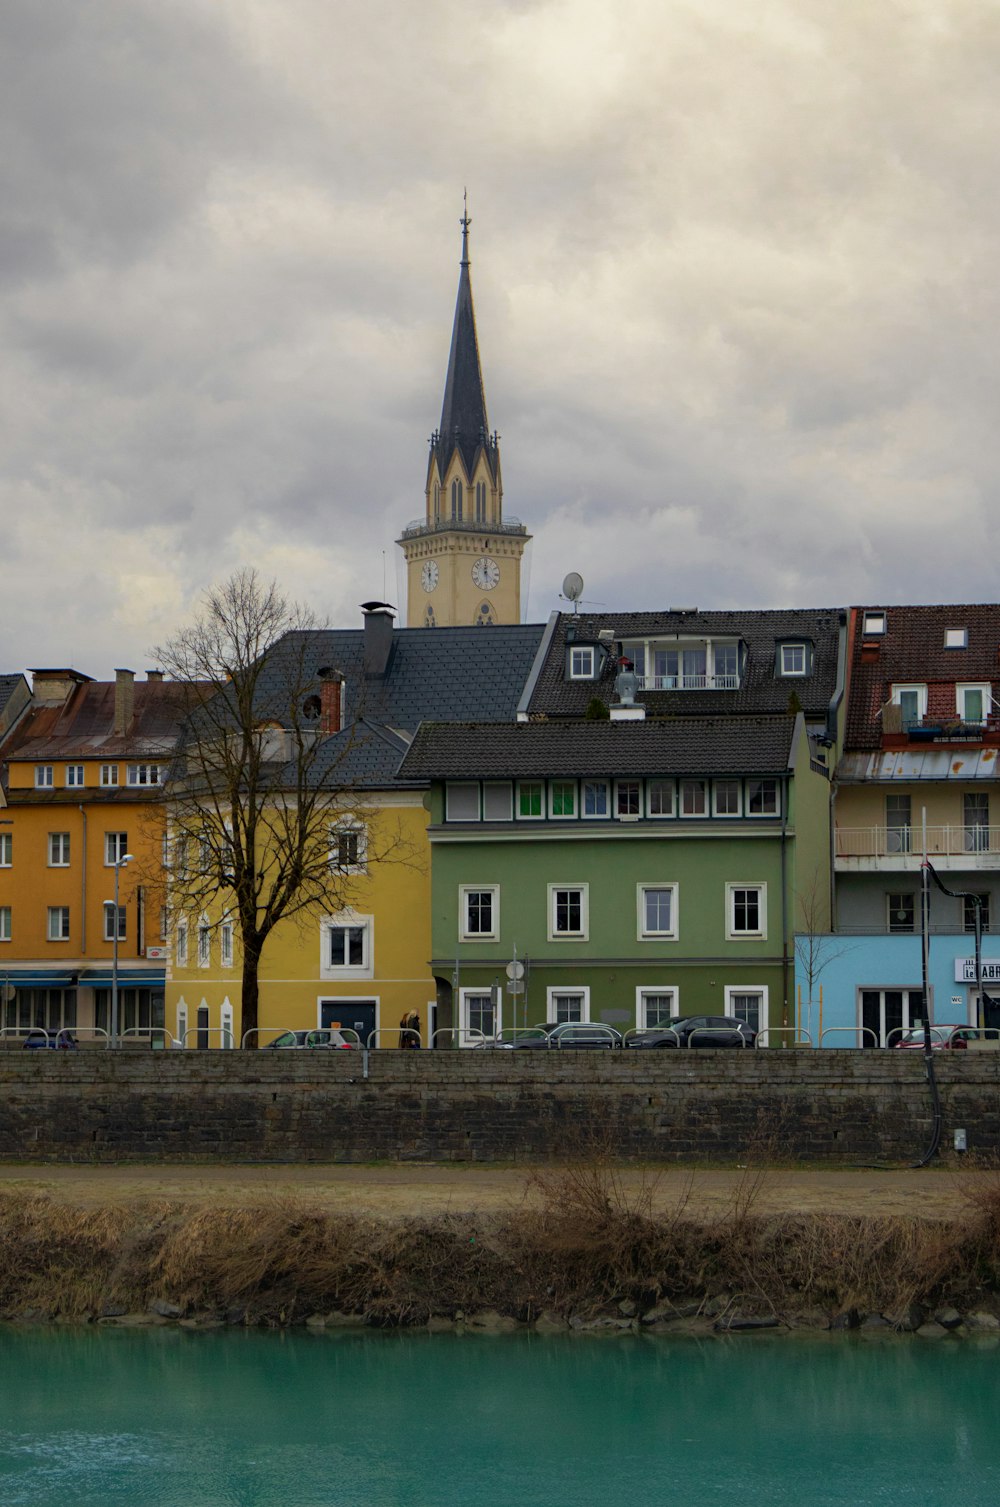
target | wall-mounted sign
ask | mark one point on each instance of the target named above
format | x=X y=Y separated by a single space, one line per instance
x=965 y=970
x=156 y=952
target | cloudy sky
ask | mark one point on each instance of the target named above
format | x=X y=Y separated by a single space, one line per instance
x=735 y=265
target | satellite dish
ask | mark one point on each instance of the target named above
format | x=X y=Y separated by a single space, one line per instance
x=572 y=587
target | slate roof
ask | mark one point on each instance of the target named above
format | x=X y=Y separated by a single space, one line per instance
x=8 y=685
x=464 y=421
x=912 y=651
x=677 y=746
x=760 y=692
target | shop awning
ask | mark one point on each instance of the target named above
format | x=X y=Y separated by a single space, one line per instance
x=37 y=978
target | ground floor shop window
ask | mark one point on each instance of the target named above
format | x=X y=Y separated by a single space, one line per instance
x=47 y=1009
x=886 y=1013
x=138 y=1009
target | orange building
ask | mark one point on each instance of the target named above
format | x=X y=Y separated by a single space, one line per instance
x=81 y=777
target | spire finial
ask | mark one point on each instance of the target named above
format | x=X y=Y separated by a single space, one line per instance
x=465 y=222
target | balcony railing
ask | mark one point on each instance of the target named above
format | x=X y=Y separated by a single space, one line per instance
x=689 y=682
x=897 y=842
x=441 y=525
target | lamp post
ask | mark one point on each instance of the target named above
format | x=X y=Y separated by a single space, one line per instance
x=119 y=864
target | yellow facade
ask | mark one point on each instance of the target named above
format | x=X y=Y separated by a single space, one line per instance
x=300 y=985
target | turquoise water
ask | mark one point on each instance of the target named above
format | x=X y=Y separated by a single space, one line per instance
x=234 y=1419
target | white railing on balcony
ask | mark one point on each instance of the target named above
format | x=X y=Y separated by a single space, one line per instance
x=898 y=842
x=689 y=682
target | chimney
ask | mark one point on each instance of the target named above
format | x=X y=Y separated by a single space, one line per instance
x=378 y=636
x=331 y=692
x=155 y=676
x=626 y=709
x=124 y=701
x=49 y=687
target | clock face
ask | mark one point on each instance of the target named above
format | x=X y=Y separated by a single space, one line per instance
x=486 y=573
x=429 y=575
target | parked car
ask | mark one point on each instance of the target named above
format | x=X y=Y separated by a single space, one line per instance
x=947 y=1038
x=561 y=1034
x=62 y=1041
x=304 y=1040
x=697 y=1031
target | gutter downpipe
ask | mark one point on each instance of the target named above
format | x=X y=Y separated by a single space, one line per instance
x=845 y=653
x=925 y=951
x=83 y=884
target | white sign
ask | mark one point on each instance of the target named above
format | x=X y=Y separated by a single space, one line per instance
x=965 y=970
x=156 y=952
x=515 y=970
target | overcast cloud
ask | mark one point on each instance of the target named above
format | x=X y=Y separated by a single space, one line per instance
x=735 y=269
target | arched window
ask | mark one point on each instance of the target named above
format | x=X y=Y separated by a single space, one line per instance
x=437 y=501
x=456 y=499
x=480 y=502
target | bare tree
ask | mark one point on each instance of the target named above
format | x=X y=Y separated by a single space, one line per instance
x=260 y=827
x=816 y=947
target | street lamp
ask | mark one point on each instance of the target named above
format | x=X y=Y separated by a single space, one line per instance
x=118 y=865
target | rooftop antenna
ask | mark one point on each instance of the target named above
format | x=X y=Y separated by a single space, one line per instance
x=465 y=222
x=572 y=590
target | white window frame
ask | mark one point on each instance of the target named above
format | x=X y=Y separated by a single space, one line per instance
x=463 y=786
x=464 y=995
x=788 y=673
x=692 y=816
x=108 y=910
x=75 y=776
x=984 y=687
x=582 y=661
x=6 y=850
x=727 y=815
x=756 y=816
x=732 y=934
x=349 y=826
x=114 y=850
x=620 y=787
x=226 y=943
x=583 y=935
x=671 y=786
x=644 y=935
x=138 y=774
x=874 y=623
x=904 y=687
x=6 y=923
x=580 y=991
x=956 y=638
x=182 y=1021
x=227 y=1036
x=181 y=942
x=564 y=816
x=595 y=816
x=347 y=920
x=44 y=776
x=501 y=793
x=464 y=892
x=642 y=990
x=57 y=931
x=203 y=936
x=109 y=775
x=525 y=785
x=728 y=990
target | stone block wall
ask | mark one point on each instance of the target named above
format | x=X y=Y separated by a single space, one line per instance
x=488 y=1106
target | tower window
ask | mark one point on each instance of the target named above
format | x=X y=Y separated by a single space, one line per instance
x=437 y=501
x=456 y=500
x=480 y=502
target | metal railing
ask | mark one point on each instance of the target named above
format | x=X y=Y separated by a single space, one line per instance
x=223 y=1031
x=167 y=1040
x=953 y=841
x=799 y=1036
x=855 y=1031
x=90 y=1034
x=689 y=682
x=418 y=526
x=374 y=1037
x=467 y=1035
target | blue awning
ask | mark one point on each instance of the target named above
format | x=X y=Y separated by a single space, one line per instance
x=128 y=978
x=37 y=978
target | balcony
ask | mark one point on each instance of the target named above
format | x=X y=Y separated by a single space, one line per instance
x=420 y=526
x=869 y=850
x=689 y=682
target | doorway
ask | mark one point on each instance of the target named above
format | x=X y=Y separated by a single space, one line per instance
x=353 y=1014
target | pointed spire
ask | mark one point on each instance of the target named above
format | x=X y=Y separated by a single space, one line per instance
x=464 y=422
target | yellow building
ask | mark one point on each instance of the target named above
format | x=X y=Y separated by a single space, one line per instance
x=82 y=818
x=463 y=559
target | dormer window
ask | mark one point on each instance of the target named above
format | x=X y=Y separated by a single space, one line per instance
x=912 y=701
x=956 y=638
x=973 y=702
x=874 y=623
x=794 y=658
x=582 y=662
x=695 y=665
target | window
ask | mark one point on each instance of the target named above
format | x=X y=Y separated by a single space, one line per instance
x=204 y=944
x=43 y=776
x=581 y=662
x=226 y=1020
x=749 y=1005
x=462 y=802
x=480 y=502
x=655 y=1007
x=143 y=774
x=901 y=911
x=480 y=912
x=456 y=499
x=181 y=944
x=109 y=922
x=529 y=799
x=115 y=847
x=480 y=1015
x=567 y=1004
x=74 y=775
x=58 y=926
x=888 y=1012
x=897 y=823
x=912 y=701
x=762 y=798
x=660 y=797
x=973 y=702
x=874 y=623
x=969 y=908
x=956 y=638
x=6 y=849
x=5 y=928
x=498 y=801
x=347 y=945
x=792 y=659
x=562 y=798
x=109 y=774
x=567 y=911
x=657 y=910
x=595 y=798
x=348 y=848
x=727 y=667
x=746 y=910
x=694 y=797
x=226 y=944
x=726 y=797
x=628 y=798
x=976 y=816
x=58 y=850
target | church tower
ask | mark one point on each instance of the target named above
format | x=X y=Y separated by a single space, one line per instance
x=463 y=561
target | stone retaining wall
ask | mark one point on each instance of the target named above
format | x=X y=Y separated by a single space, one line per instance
x=488 y=1106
